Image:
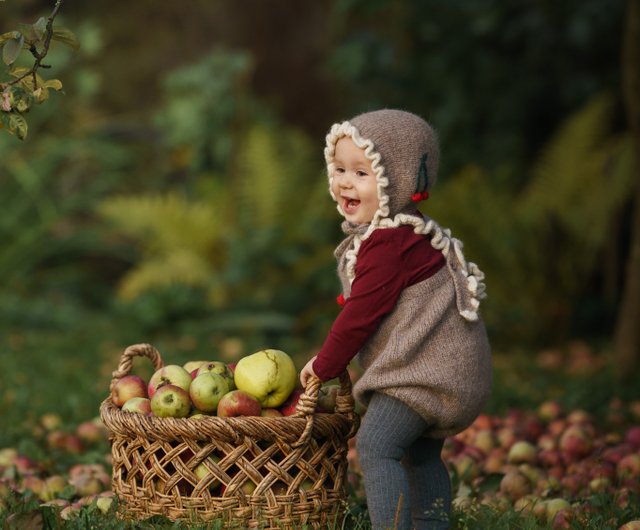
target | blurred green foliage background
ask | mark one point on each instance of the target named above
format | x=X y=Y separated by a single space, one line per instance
x=175 y=193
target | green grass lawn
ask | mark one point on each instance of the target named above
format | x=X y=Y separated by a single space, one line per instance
x=66 y=375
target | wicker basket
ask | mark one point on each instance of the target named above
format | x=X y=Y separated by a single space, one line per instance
x=259 y=472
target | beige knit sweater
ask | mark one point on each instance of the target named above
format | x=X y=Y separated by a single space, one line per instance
x=426 y=354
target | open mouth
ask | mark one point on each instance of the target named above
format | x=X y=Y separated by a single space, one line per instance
x=350 y=205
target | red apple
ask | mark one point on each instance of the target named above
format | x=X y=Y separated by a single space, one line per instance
x=288 y=408
x=238 y=403
x=171 y=401
x=138 y=405
x=171 y=374
x=631 y=525
x=575 y=443
x=207 y=389
x=90 y=431
x=632 y=436
x=127 y=387
x=628 y=466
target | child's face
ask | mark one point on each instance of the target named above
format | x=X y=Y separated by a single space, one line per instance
x=354 y=184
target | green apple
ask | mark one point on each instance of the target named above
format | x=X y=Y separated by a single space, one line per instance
x=138 y=405
x=269 y=375
x=171 y=401
x=220 y=368
x=172 y=374
x=190 y=366
x=206 y=390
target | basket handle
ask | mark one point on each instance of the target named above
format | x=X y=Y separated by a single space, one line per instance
x=309 y=399
x=126 y=360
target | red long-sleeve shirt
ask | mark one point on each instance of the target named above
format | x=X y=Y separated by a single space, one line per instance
x=390 y=260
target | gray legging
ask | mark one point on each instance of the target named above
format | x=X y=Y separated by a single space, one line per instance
x=406 y=481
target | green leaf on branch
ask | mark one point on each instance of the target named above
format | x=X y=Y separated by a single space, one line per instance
x=12 y=49
x=66 y=36
x=8 y=36
x=29 y=32
x=40 y=27
x=14 y=123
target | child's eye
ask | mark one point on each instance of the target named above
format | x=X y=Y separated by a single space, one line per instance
x=361 y=173
x=339 y=170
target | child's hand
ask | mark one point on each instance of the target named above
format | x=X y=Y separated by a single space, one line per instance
x=307 y=372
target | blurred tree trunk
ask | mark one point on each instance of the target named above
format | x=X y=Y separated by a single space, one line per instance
x=627 y=332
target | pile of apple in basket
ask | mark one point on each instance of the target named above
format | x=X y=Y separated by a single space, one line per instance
x=264 y=383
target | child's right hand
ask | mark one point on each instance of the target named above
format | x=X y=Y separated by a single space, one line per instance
x=307 y=372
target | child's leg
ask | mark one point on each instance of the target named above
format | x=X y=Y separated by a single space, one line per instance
x=430 y=484
x=388 y=428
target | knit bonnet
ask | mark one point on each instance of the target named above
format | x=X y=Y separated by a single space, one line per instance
x=404 y=153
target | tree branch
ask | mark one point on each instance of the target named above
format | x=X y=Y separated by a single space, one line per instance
x=39 y=56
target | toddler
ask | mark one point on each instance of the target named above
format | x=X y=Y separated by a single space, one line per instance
x=410 y=312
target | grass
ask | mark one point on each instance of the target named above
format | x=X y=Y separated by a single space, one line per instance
x=68 y=373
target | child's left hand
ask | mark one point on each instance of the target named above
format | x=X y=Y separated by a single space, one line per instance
x=307 y=372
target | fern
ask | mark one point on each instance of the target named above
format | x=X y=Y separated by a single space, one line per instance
x=539 y=247
x=181 y=241
x=245 y=239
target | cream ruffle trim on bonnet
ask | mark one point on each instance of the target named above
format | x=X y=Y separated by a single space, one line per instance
x=441 y=239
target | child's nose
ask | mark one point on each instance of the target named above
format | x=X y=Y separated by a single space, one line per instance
x=345 y=181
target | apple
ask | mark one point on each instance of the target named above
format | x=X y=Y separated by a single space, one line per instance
x=138 y=405
x=53 y=486
x=549 y=411
x=219 y=368
x=288 y=408
x=207 y=389
x=171 y=374
x=327 y=398
x=171 y=401
x=515 y=485
x=89 y=431
x=51 y=421
x=127 y=387
x=104 y=501
x=203 y=469
x=8 y=456
x=522 y=452
x=269 y=375
x=238 y=403
x=575 y=443
x=628 y=466
x=484 y=440
x=466 y=467
x=632 y=436
x=553 y=506
x=190 y=366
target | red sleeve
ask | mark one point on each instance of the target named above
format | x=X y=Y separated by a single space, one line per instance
x=389 y=261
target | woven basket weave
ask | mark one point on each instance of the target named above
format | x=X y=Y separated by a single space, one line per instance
x=259 y=472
